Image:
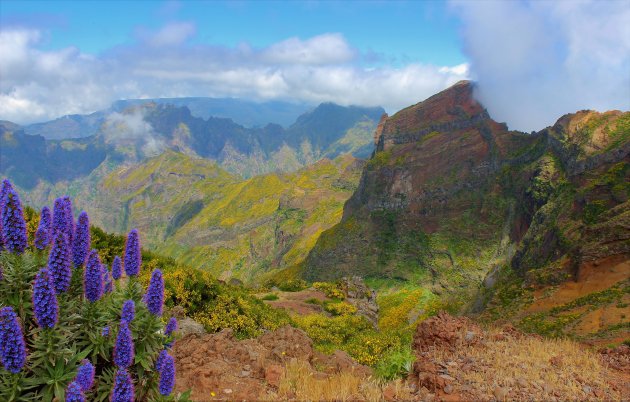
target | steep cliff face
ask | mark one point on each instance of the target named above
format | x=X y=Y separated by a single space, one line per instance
x=431 y=195
x=450 y=194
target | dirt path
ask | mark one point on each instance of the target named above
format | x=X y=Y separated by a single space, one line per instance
x=296 y=302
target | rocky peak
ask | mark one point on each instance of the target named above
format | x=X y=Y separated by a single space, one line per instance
x=452 y=109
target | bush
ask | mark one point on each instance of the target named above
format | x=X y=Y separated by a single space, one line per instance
x=332 y=290
x=293 y=285
x=397 y=363
x=270 y=297
x=62 y=318
x=340 y=308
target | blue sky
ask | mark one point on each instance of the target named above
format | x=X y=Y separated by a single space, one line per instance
x=398 y=31
x=533 y=60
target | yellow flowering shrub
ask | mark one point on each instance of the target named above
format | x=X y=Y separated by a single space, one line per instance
x=332 y=290
x=340 y=308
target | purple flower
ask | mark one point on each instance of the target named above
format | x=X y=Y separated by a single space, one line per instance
x=43 y=237
x=81 y=243
x=59 y=263
x=69 y=216
x=108 y=285
x=74 y=393
x=105 y=332
x=13 y=223
x=12 y=345
x=160 y=360
x=128 y=311
x=6 y=186
x=167 y=375
x=85 y=375
x=154 y=298
x=45 y=220
x=123 y=387
x=124 y=348
x=170 y=328
x=93 y=278
x=45 y=304
x=59 y=223
x=117 y=268
x=133 y=257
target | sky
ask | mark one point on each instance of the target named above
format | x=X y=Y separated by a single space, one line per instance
x=533 y=61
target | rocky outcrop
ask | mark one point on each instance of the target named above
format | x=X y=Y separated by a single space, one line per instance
x=362 y=297
x=221 y=367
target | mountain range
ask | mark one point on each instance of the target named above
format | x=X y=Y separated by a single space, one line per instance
x=243 y=112
x=497 y=222
x=148 y=129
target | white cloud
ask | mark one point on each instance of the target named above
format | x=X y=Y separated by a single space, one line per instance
x=38 y=85
x=171 y=34
x=537 y=60
x=322 y=49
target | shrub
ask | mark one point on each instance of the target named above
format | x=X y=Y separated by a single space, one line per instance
x=270 y=297
x=396 y=363
x=340 y=308
x=332 y=290
x=55 y=339
x=293 y=285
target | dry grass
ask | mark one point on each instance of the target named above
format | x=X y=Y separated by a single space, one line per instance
x=529 y=368
x=300 y=382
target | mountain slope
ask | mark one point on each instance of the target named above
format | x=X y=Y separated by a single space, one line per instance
x=450 y=196
x=191 y=209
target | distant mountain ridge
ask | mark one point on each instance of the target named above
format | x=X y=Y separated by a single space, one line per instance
x=243 y=112
x=148 y=129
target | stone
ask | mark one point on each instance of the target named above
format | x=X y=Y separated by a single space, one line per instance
x=448 y=389
x=189 y=326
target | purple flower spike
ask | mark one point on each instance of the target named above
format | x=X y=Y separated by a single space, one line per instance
x=43 y=236
x=85 y=375
x=59 y=263
x=6 y=186
x=171 y=326
x=93 y=278
x=160 y=360
x=170 y=329
x=12 y=345
x=133 y=257
x=108 y=285
x=167 y=375
x=45 y=304
x=154 y=298
x=128 y=311
x=123 y=387
x=116 y=268
x=13 y=223
x=45 y=220
x=105 y=332
x=69 y=216
x=74 y=393
x=81 y=242
x=124 y=347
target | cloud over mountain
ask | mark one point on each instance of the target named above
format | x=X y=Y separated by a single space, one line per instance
x=537 y=60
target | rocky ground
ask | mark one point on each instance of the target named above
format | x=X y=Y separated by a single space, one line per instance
x=455 y=360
